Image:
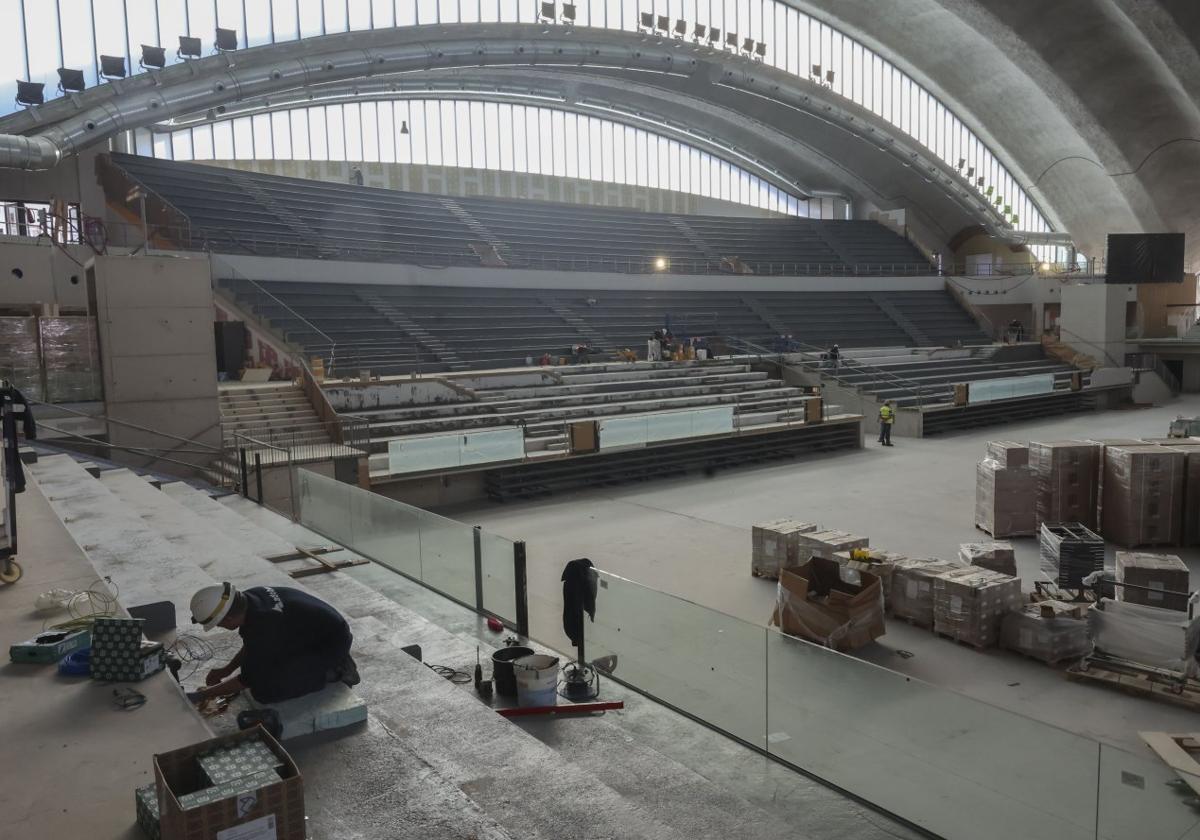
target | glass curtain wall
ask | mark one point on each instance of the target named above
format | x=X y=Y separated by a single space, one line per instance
x=38 y=36
x=483 y=135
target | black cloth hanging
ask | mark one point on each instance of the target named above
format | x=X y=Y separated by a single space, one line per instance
x=8 y=435
x=579 y=596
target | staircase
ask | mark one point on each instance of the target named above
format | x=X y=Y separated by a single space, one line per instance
x=695 y=241
x=275 y=412
x=284 y=214
x=439 y=348
x=478 y=228
x=919 y=338
x=776 y=326
x=432 y=760
x=597 y=342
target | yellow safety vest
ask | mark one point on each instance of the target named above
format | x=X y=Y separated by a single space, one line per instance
x=887 y=414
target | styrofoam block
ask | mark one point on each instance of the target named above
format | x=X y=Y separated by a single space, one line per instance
x=333 y=707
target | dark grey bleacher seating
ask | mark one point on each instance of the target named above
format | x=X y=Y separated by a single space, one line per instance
x=482 y=328
x=247 y=212
x=926 y=382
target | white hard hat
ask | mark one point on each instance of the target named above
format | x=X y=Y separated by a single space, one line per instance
x=212 y=603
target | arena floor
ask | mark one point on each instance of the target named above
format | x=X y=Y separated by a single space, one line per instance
x=691 y=537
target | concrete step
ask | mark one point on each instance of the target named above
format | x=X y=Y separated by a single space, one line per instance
x=143 y=565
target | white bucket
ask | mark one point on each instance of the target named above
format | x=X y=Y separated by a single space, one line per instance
x=537 y=680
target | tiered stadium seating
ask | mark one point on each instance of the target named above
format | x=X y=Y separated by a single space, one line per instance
x=915 y=379
x=243 y=212
x=398 y=329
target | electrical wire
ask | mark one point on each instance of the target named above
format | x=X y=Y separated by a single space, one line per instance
x=83 y=606
x=454 y=675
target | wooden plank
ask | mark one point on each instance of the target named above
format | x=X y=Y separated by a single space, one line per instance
x=1173 y=750
x=1174 y=692
x=301 y=553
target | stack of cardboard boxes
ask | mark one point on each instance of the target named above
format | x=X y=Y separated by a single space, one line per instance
x=1162 y=580
x=997 y=556
x=912 y=588
x=1005 y=491
x=1051 y=631
x=1068 y=474
x=874 y=561
x=776 y=545
x=1143 y=495
x=970 y=603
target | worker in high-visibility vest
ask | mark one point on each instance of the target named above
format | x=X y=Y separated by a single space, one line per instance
x=887 y=417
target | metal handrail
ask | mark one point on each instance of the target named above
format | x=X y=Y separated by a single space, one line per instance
x=291 y=470
x=314 y=327
x=247 y=241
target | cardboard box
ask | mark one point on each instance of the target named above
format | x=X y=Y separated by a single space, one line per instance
x=775 y=545
x=996 y=556
x=120 y=654
x=1191 y=495
x=146 y=803
x=1164 y=573
x=1105 y=444
x=912 y=588
x=1005 y=500
x=585 y=437
x=1008 y=453
x=825 y=544
x=235 y=761
x=1050 y=631
x=969 y=604
x=877 y=562
x=816 y=602
x=1143 y=495
x=1068 y=478
x=271 y=802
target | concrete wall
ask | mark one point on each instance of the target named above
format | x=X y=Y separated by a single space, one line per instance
x=1093 y=320
x=461 y=181
x=358 y=396
x=158 y=360
x=50 y=274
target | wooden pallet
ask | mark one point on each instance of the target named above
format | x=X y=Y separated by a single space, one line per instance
x=1184 y=693
x=323 y=566
x=964 y=642
x=912 y=622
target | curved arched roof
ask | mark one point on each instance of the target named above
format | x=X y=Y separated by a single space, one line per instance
x=1091 y=105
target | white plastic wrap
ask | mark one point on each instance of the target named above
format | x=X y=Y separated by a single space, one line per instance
x=1159 y=638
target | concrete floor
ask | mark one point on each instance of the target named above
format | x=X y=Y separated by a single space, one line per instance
x=71 y=759
x=691 y=537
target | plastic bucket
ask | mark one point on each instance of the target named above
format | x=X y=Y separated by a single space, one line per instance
x=537 y=680
x=502 y=669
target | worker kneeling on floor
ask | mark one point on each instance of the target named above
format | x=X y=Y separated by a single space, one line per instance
x=292 y=643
